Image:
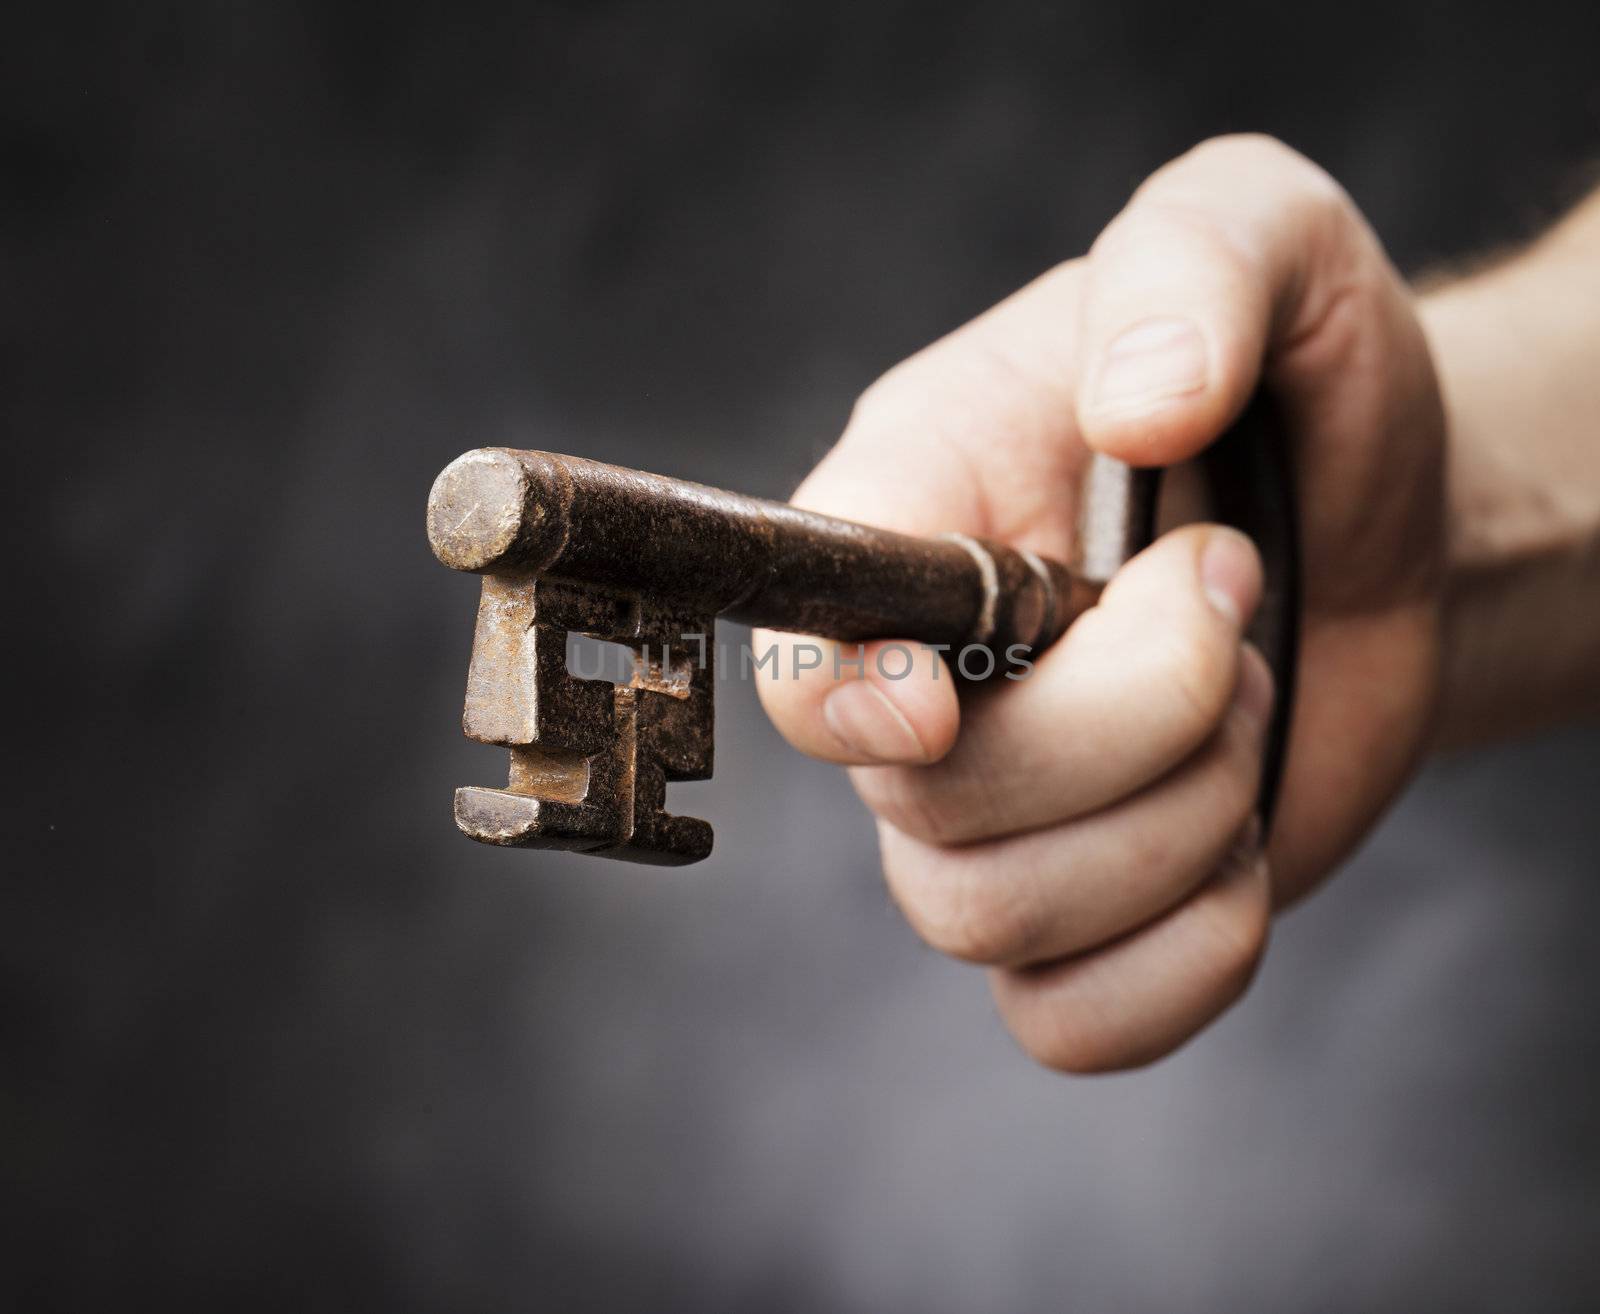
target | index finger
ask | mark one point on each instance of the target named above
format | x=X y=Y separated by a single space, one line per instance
x=975 y=435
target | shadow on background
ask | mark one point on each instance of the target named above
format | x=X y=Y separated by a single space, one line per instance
x=278 y=1037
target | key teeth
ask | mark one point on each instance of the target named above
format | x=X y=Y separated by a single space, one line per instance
x=677 y=842
x=509 y=820
x=590 y=759
x=497 y=816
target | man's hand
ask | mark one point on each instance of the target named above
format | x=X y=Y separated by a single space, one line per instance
x=1087 y=832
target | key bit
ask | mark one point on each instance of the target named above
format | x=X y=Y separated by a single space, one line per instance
x=567 y=546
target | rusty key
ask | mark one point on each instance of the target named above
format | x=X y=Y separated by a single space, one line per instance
x=568 y=546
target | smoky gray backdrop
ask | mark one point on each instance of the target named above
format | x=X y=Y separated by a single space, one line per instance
x=279 y=1038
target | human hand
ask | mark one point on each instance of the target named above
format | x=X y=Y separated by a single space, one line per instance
x=1088 y=832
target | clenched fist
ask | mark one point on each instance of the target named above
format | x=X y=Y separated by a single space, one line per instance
x=1087 y=832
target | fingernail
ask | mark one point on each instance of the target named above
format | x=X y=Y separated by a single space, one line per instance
x=1149 y=365
x=1255 y=691
x=1230 y=575
x=862 y=718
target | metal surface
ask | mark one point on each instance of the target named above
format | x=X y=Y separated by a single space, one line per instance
x=569 y=546
x=1249 y=481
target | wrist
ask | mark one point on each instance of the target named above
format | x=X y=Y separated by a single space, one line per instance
x=1516 y=349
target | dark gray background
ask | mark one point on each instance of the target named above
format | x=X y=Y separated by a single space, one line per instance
x=277 y=1037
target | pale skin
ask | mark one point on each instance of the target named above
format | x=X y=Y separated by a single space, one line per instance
x=1088 y=834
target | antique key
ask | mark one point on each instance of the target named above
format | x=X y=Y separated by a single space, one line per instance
x=570 y=546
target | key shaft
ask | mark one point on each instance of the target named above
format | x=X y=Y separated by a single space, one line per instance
x=764 y=563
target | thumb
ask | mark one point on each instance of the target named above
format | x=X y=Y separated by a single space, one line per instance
x=857 y=704
x=1238 y=249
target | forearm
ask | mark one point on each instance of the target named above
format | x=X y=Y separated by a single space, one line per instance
x=1517 y=349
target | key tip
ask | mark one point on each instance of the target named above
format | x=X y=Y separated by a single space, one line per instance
x=481 y=514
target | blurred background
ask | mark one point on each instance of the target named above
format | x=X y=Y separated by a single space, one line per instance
x=277 y=1037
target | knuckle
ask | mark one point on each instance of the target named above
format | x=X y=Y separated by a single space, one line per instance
x=1252 y=147
x=1063 y=272
x=1240 y=792
x=1238 y=941
x=1071 y=1052
x=1065 y=1039
x=906 y=799
x=955 y=913
x=874 y=399
x=949 y=903
x=1299 y=182
x=1166 y=217
x=1197 y=674
x=1257 y=151
x=1240 y=771
x=1308 y=184
x=1158 y=216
